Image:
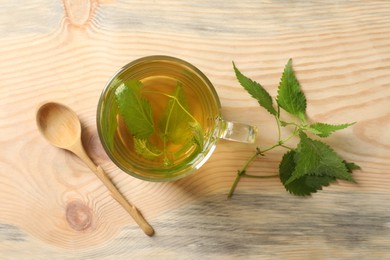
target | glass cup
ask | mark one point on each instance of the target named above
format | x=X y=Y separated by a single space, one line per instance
x=183 y=115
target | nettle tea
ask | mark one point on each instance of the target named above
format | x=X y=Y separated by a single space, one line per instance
x=158 y=118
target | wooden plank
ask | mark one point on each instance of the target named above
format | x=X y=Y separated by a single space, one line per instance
x=53 y=205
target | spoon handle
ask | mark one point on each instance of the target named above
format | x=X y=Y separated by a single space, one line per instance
x=131 y=209
x=78 y=149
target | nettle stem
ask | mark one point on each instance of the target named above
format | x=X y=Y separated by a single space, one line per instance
x=243 y=171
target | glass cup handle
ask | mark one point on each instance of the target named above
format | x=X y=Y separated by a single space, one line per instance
x=237 y=132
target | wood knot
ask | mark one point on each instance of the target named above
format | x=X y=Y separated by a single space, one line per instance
x=78 y=11
x=78 y=215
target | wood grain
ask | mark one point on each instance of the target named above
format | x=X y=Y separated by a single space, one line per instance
x=66 y=52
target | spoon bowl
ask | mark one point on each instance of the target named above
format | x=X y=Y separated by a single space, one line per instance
x=62 y=128
x=59 y=125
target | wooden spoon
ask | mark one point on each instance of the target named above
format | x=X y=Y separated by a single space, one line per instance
x=62 y=128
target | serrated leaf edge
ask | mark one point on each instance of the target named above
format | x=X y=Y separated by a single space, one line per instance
x=292 y=107
x=265 y=100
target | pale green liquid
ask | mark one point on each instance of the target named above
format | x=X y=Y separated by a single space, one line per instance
x=160 y=79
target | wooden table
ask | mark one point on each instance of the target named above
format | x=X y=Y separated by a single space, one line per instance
x=53 y=207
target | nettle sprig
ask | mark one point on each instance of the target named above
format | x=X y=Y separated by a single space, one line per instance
x=310 y=165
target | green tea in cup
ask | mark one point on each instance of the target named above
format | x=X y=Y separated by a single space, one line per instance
x=159 y=119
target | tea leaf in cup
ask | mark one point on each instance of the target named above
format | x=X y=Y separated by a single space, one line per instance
x=175 y=122
x=135 y=109
x=176 y=117
x=146 y=149
x=197 y=131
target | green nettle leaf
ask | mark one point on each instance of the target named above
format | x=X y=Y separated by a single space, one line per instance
x=317 y=158
x=305 y=185
x=135 y=109
x=146 y=149
x=112 y=126
x=325 y=130
x=284 y=123
x=256 y=91
x=198 y=134
x=290 y=96
x=351 y=166
x=176 y=118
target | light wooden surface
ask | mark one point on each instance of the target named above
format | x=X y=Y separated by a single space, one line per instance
x=53 y=207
